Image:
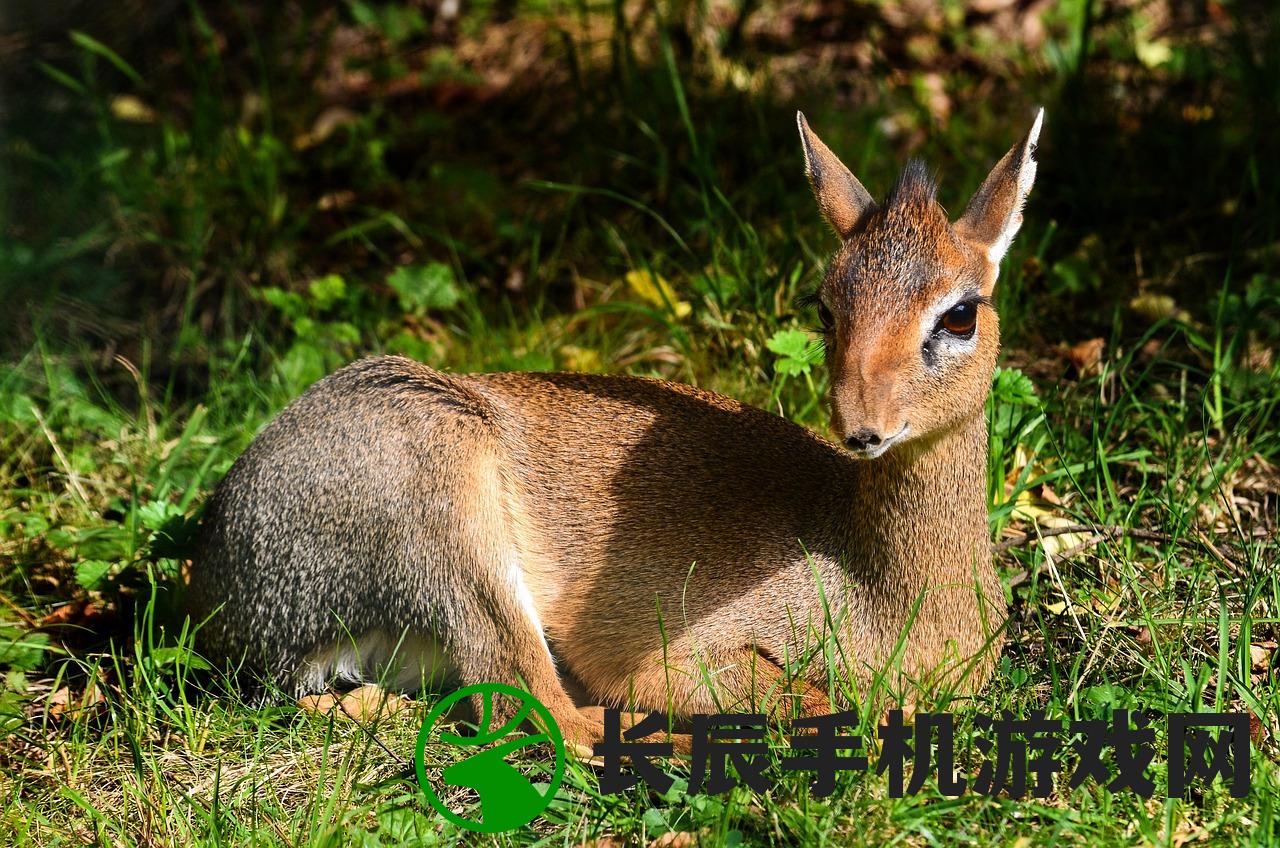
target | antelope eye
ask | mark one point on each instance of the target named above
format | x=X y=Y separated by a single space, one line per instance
x=960 y=319
x=824 y=315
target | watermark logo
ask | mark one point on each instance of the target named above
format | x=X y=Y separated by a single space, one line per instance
x=1016 y=757
x=508 y=796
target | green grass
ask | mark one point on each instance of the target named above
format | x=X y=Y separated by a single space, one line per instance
x=180 y=278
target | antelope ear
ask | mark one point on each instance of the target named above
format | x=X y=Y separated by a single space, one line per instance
x=994 y=214
x=842 y=199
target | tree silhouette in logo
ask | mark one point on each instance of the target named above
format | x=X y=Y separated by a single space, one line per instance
x=508 y=799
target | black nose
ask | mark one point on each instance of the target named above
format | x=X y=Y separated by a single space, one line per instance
x=863 y=439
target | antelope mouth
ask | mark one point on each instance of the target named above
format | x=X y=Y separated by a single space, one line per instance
x=880 y=448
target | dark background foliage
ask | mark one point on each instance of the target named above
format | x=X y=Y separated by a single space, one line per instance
x=171 y=159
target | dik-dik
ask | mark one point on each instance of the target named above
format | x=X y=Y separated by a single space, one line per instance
x=648 y=544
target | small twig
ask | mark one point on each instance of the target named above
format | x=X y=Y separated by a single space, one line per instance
x=1053 y=572
x=1084 y=673
x=61 y=457
x=1107 y=530
x=1211 y=548
x=1113 y=531
x=1082 y=546
x=23 y=614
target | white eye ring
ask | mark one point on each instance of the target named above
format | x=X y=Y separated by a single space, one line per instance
x=939 y=341
x=966 y=313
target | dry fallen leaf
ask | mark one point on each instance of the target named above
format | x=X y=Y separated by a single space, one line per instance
x=1056 y=546
x=604 y=842
x=1258 y=354
x=577 y=358
x=1022 y=457
x=126 y=107
x=680 y=839
x=325 y=124
x=654 y=289
x=78 y=613
x=1188 y=832
x=62 y=704
x=1039 y=506
x=990 y=7
x=1104 y=602
x=1039 y=512
x=336 y=200
x=1258 y=732
x=1155 y=307
x=1086 y=356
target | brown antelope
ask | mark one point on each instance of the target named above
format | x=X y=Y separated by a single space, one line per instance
x=646 y=544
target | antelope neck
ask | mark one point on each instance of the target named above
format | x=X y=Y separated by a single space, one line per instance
x=920 y=512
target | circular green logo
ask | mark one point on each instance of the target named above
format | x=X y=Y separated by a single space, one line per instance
x=508 y=798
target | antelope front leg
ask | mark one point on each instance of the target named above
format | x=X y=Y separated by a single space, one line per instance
x=687 y=683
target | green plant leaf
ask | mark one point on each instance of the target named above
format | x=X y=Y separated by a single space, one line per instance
x=795 y=351
x=790 y=343
x=302 y=366
x=422 y=287
x=1011 y=386
x=156 y=514
x=91 y=572
x=167 y=656
x=327 y=290
x=791 y=367
x=175 y=539
x=21 y=651
x=290 y=304
x=92 y=45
